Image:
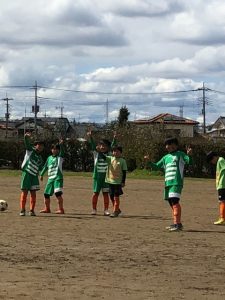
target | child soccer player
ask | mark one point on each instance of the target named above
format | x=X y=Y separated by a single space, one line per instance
x=55 y=178
x=100 y=167
x=173 y=165
x=31 y=166
x=115 y=177
x=215 y=159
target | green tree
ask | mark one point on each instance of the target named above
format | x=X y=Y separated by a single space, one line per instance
x=123 y=116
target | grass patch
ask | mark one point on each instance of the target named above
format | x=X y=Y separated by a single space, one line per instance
x=136 y=174
x=145 y=174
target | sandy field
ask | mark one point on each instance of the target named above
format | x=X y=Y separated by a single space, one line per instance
x=79 y=256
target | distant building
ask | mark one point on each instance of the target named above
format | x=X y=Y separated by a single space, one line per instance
x=46 y=127
x=7 y=133
x=169 y=124
x=217 y=129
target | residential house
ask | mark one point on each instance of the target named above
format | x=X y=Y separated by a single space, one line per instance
x=217 y=129
x=7 y=132
x=47 y=127
x=169 y=124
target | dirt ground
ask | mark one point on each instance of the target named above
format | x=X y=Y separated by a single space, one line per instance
x=79 y=256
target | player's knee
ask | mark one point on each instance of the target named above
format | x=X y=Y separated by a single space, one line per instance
x=173 y=201
x=58 y=194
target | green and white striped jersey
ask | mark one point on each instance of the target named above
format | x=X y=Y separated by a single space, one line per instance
x=54 y=166
x=100 y=164
x=173 y=165
x=220 y=173
x=33 y=161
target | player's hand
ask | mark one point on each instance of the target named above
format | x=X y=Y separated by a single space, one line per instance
x=41 y=178
x=189 y=150
x=27 y=134
x=115 y=134
x=61 y=141
x=146 y=157
x=89 y=133
x=98 y=148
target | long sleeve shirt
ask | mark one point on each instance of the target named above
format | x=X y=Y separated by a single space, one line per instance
x=54 y=166
x=173 y=165
x=220 y=173
x=100 y=164
x=33 y=161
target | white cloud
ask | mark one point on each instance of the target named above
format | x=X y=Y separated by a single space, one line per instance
x=130 y=46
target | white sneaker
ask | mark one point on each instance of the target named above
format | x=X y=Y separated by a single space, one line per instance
x=94 y=212
x=106 y=213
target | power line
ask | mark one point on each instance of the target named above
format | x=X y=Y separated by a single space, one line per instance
x=118 y=93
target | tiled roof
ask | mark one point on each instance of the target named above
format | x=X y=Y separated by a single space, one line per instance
x=166 y=118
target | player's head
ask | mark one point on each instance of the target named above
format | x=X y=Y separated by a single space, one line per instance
x=55 y=149
x=117 y=151
x=212 y=157
x=171 y=144
x=39 y=146
x=104 y=146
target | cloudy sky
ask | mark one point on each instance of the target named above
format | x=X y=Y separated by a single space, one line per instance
x=90 y=57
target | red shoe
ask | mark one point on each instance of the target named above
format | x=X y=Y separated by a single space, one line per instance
x=45 y=211
x=60 y=211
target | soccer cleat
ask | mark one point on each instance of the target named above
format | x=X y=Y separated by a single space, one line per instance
x=94 y=212
x=176 y=227
x=106 y=213
x=115 y=214
x=170 y=226
x=32 y=213
x=119 y=211
x=45 y=211
x=60 y=212
x=221 y=221
x=23 y=213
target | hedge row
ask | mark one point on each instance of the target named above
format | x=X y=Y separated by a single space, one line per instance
x=135 y=142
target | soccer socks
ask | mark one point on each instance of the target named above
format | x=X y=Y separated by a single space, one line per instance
x=112 y=200
x=95 y=200
x=222 y=210
x=116 y=203
x=106 y=201
x=32 y=200
x=23 y=199
x=176 y=213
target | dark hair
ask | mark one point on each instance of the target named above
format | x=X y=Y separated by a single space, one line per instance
x=105 y=142
x=39 y=143
x=170 y=141
x=55 y=146
x=117 y=147
x=210 y=155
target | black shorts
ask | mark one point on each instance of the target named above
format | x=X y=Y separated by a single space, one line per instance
x=115 y=190
x=221 y=194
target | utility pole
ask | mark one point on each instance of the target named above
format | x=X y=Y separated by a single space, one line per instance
x=7 y=115
x=204 y=101
x=181 y=111
x=61 y=110
x=35 y=107
x=107 y=111
x=203 y=107
x=25 y=115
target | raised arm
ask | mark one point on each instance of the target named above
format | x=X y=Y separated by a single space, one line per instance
x=62 y=148
x=155 y=166
x=91 y=140
x=27 y=142
x=188 y=156
x=114 y=141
